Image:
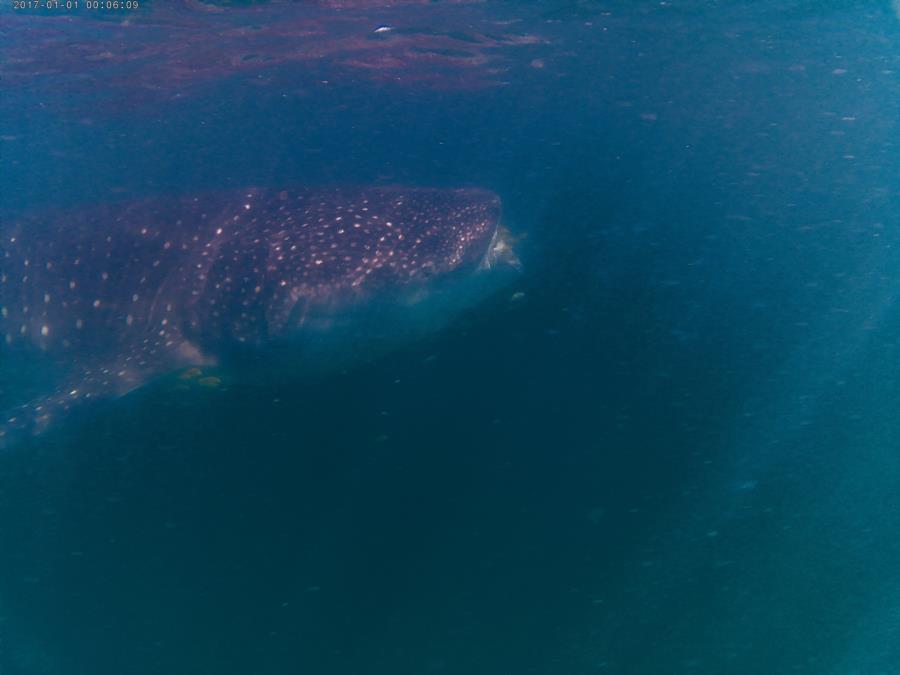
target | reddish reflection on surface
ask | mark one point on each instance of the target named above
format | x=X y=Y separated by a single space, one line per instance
x=166 y=50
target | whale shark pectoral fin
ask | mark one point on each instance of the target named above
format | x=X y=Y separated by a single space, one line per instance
x=31 y=419
x=83 y=386
x=95 y=381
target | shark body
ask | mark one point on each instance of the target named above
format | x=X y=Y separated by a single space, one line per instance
x=109 y=297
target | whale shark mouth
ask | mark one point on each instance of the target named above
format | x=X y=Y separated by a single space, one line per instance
x=500 y=251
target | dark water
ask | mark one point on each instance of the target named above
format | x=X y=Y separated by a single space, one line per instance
x=670 y=446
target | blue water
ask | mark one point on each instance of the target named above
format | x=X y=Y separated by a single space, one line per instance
x=669 y=446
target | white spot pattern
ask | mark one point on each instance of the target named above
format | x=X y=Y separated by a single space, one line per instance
x=118 y=289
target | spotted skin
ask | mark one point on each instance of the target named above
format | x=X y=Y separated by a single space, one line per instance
x=114 y=295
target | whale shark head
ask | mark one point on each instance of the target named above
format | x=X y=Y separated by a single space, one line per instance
x=336 y=251
x=433 y=233
x=391 y=237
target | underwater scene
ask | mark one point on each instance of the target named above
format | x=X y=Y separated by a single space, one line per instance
x=410 y=337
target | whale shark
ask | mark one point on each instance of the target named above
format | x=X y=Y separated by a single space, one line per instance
x=104 y=298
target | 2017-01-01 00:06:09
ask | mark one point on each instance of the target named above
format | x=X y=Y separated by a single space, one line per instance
x=75 y=4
